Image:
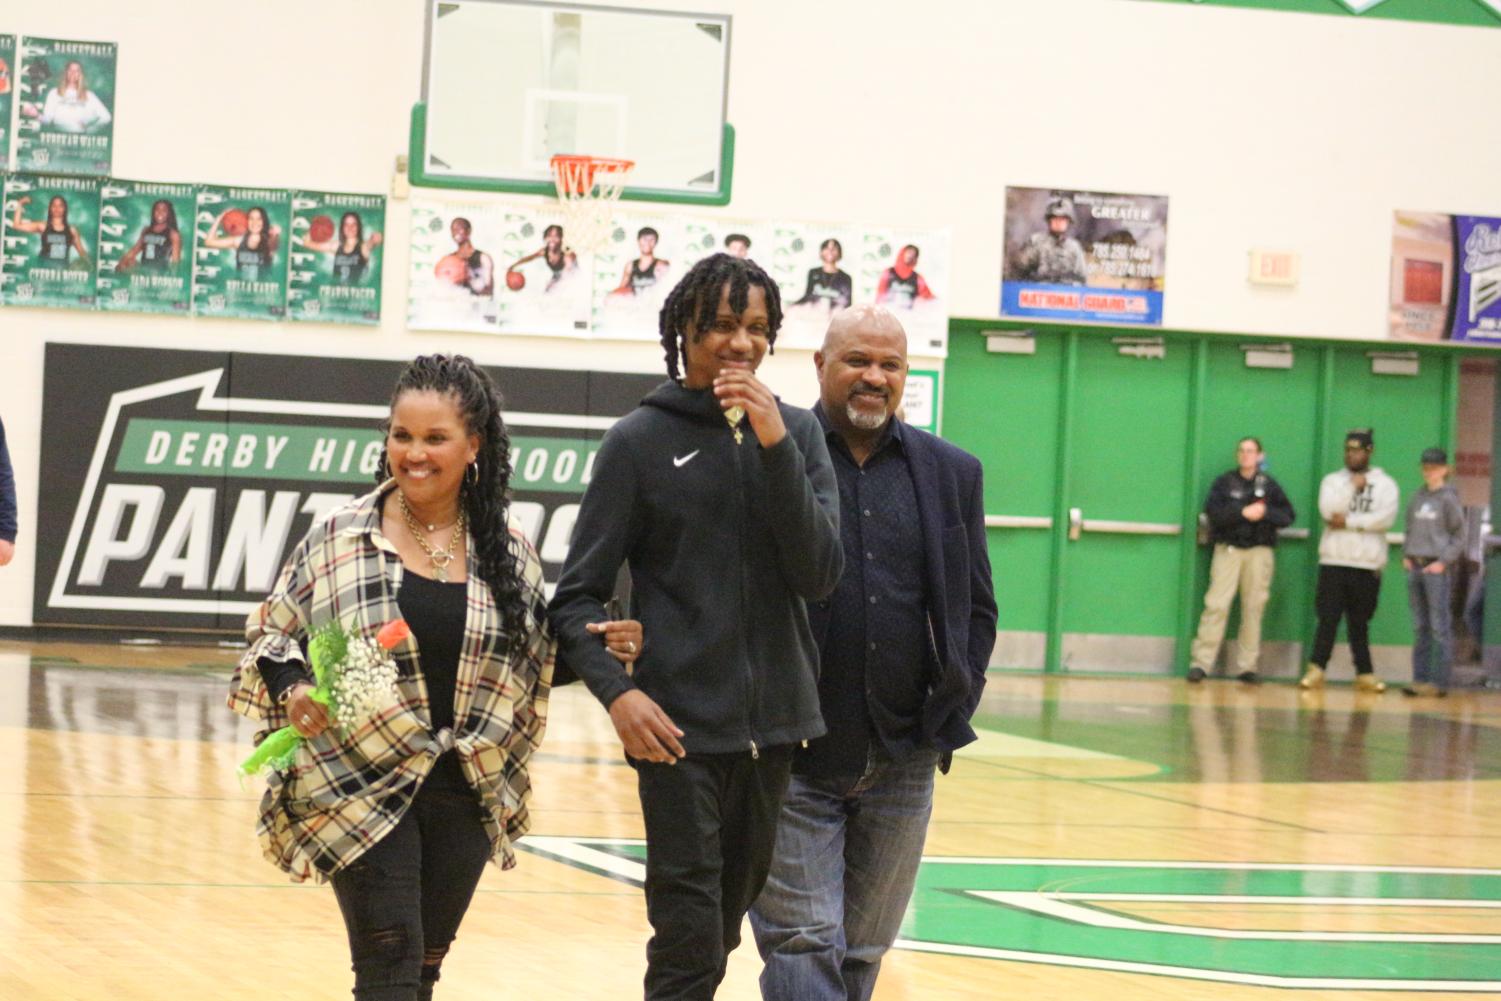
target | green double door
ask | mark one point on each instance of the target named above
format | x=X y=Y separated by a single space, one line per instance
x=1099 y=448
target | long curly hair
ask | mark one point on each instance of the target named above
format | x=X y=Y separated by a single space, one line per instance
x=694 y=302
x=485 y=496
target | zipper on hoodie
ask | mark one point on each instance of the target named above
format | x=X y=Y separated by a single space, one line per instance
x=750 y=674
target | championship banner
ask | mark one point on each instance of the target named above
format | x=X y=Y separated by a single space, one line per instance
x=49 y=231
x=1445 y=278
x=336 y=257
x=145 y=255
x=67 y=100
x=239 y=252
x=179 y=481
x=1084 y=255
x=7 y=94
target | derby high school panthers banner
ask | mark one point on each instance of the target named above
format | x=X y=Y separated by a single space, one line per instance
x=175 y=483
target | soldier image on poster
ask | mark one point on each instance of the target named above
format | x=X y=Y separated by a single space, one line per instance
x=145 y=258
x=1053 y=255
x=336 y=266
x=7 y=90
x=239 y=263
x=67 y=91
x=1084 y=255
x=50 y=224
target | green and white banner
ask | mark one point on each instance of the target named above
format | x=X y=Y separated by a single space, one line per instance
x=67 y=101
x=49 y=231
x=145 y=256
x=7 y=94
x=239 y=256
x=178 y=481
x=336 y=256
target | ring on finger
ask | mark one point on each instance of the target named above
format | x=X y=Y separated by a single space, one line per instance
x=630 y=646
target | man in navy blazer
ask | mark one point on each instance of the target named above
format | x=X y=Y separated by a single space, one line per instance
x=904 y=642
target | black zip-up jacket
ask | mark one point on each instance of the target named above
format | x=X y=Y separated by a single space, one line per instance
x=1231 y=493
x=726 y=544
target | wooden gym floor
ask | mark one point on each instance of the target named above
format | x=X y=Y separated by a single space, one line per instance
x=1107 y=838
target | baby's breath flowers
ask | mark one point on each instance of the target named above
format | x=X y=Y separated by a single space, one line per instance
x=356 y=679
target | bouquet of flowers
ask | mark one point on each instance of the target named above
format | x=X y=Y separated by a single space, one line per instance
x=355 y=677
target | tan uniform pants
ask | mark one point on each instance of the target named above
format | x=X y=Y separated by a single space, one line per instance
x=1232 y=569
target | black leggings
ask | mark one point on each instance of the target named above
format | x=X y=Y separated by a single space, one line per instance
x=1349 y=592
x=404 y=898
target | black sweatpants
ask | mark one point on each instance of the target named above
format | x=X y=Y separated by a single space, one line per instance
x=404 y=898
x=711 y=826
x=1349 y=592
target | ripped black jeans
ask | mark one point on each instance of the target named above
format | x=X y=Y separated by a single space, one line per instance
x=404 y=898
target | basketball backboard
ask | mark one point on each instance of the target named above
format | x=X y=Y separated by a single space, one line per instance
x=509 y=83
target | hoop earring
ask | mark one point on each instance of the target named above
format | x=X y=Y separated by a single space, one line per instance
x=471 y=475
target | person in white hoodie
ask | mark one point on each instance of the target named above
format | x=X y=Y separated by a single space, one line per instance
x=1358 y=504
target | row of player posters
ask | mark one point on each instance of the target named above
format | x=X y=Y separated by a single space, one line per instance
x=147 y=247
x=508 y=269
x=62 y=96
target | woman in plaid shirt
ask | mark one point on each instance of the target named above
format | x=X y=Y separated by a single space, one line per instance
x=402 y=813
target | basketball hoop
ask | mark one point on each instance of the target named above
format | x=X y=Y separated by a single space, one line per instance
x=588 y=188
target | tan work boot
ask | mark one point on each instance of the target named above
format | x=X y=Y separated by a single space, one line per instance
x=1312 y=678
x=1369 y=683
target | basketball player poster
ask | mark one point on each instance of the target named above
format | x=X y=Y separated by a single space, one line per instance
x=240 y=252
x=335 y=255
x=809 y=266
x=455 y=267
x=67 y=106
x=7 y=91
x=633 y=273
x=50 y=227
x=907 y=271
x=146 y=246
x=543 y=283
x=1084 y=255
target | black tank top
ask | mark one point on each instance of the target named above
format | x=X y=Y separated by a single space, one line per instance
x=901 y=292
x=642 y=279
x=349 y=268
x=435 y=612
x=156 y=250
x=56 y=245
x=249 y=261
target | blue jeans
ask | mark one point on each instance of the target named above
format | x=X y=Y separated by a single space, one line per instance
x=1432 y=626
x=846 y=861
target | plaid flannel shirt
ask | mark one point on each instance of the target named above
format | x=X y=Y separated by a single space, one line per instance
x=344 y=792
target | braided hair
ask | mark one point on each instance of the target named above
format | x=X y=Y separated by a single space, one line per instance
x=694 y=302
x=486 y=497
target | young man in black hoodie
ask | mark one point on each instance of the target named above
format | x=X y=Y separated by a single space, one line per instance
x=1245 y=509
x=722 y=500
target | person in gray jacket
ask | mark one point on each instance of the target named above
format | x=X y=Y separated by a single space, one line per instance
x=1434 y=541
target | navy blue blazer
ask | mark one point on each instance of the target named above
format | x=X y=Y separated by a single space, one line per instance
x=961 y=594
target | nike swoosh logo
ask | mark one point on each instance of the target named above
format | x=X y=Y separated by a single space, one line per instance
x=684 y=460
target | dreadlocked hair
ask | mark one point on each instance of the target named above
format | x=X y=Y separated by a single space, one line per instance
x=486 y=497
x=694 y=302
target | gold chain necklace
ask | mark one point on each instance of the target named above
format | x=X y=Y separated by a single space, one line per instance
x=439 y=558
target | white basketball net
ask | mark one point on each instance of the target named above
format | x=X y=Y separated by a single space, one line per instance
x=588 y=188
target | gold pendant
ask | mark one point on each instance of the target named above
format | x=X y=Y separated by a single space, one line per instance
x=733 y=417
x=440 y=563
